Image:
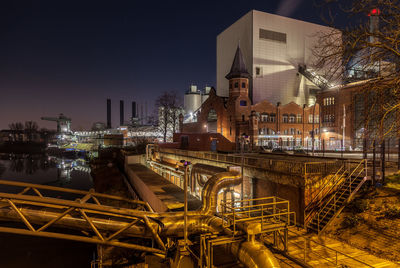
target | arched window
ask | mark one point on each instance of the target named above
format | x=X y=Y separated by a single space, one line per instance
x=285 y=118
x=292 y=118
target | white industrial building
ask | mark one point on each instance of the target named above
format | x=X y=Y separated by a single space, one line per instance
x=192 y=101
x=274 y=47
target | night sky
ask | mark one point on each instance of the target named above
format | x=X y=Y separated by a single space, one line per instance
x=70 y=56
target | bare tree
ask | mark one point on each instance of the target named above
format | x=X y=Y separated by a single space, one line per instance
x=16 y=130
x=169 y=106
x=367 y=49
x=31 y=128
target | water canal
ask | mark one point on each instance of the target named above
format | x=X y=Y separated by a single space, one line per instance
x=25 y=251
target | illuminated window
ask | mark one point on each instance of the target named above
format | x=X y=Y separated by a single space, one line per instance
x=292 y=118
x=272 y=118
x=285 y=118
x=299 y=118
x=264 y=118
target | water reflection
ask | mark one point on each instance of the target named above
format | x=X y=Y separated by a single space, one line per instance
x=47 y=170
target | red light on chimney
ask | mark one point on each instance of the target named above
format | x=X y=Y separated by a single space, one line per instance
x=374 y=12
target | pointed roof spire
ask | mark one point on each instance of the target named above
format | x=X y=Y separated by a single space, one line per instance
x=238 y=69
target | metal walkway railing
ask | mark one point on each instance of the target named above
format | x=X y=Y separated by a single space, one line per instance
x=343 y=187
x=95 y=222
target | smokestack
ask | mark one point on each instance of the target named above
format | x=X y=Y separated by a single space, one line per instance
x=141 y=113
x=133 y=109
x=121 y=112
x=146 y=115
x=108 y=113
x=373 y=23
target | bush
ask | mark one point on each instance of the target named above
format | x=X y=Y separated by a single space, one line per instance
x=351 y=221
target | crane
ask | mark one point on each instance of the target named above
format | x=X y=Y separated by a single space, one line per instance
x=63 y=123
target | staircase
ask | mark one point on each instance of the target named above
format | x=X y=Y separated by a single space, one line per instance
x=346 y=184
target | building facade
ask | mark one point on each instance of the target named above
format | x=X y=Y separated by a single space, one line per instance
x=274 y=47
x=262 y=124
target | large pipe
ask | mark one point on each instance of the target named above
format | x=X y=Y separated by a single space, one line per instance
x=251 y=254
x=254 y=254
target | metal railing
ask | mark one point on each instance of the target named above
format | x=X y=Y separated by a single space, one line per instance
x=335 y=259
x=334 y=203
x=102 y=224
x=266 y=211
x=275 y=165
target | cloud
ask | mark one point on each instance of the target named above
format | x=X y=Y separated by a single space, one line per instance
x=288 y=7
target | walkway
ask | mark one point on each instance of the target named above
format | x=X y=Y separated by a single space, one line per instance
x=327 y=252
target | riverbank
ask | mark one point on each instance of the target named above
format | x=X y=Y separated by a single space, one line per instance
x=20 y=147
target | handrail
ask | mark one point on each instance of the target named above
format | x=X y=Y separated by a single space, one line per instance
x=314 y=207
x=327 y=247
x=325 y=185
x=335 y=198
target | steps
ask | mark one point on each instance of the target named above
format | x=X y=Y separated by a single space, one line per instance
x=329 y=207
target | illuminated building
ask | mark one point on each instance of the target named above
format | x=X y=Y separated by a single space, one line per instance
x=274 y=48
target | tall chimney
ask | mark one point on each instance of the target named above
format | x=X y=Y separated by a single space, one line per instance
x=146 y=117
x=108 y=113
x=121 y=112
x=133 y=109
x=141 y=113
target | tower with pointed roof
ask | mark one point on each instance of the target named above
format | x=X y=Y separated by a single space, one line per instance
x=238 y=76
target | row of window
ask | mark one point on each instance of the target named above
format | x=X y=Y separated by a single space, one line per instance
x=329 y=101
x=236 y=85
x=289 y=118
x=291 y=131
x=329 y=118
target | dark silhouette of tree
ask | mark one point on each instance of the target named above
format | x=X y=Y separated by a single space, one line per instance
x=16 y=130
x=366 y=49
x=169 y=106
x=31 y=128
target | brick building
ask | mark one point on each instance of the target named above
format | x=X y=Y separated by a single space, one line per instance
x=265 y=124
x=348 y=116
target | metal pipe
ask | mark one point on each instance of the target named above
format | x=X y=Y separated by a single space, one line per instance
x=254 y=254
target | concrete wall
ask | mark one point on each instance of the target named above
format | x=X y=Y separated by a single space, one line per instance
x=279 y=80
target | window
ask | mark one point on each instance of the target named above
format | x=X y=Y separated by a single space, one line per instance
x=230 y=118
x=236 y=84
x=316 y=118
x=230 y=130
x=272 y=36
x=272 y=118
x=329 y=101
x=264 y=118
x=243 y=117
x=292 y=131
x=298 y=132
x=243 y=103
x=285 y=132
x=243 y=85
x=285 y=118
x=292 y=118
x=259 y=71
x=299 y=118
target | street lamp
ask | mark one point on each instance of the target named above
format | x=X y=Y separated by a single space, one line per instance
x=186 y=165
